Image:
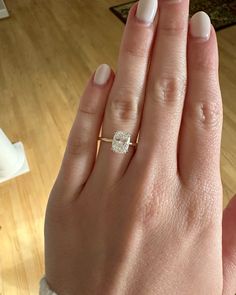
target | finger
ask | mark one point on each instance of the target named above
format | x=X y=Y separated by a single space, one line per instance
x=166 y=87
x=199 y=148
x=229 y=247
x=81 y=149
x=124 y=107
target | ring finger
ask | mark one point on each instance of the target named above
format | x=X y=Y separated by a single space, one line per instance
x=125 y=102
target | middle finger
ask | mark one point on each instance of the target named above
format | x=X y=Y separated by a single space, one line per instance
x=166 y=87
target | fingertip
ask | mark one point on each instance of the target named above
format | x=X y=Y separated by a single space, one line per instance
x=146 y=11
x=133 y=9
x=102 y=75
x=203 y=53
x=142 y=16
x=200 y=26
x=201 y=30
x=99 y=83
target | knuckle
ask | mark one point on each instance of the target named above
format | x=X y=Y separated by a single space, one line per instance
x=198 y=211
x=151 y=206
x=168 y=89
x=125 y=107
x=173 y=27
x=211 y=114
x=59 y=213
x=205 y=62
x=137 y=45
x=137 y=49
x=147 y=211
x=77 y=146
x=87 y=109
x=192 y=215
x=207 y=114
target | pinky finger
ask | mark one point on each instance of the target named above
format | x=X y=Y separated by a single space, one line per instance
x=81 y=148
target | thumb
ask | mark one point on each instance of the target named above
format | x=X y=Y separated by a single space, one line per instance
x=229 y=247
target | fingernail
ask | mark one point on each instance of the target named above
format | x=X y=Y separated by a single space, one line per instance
x=200 y=25
x=102 y=74
x=146 y=10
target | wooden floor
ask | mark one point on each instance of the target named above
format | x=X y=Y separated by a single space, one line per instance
x=48 y=49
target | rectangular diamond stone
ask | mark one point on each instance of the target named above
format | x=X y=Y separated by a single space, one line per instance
x=120 y=142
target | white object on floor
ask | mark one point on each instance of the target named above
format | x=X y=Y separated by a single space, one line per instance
x=13 y=161
x=44 y=288
x=3 y=10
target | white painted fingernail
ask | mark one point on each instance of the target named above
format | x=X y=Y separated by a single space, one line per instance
x=146 y=10
x=200 y=25
x=102 y=74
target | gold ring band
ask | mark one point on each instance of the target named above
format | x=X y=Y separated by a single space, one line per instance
x=111 y=140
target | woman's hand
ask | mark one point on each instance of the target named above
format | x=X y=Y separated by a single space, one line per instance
x=148 y=221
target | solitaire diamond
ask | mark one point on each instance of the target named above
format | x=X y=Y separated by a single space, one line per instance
x=120 y=142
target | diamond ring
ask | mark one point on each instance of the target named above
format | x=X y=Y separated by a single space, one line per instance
x=120 y=142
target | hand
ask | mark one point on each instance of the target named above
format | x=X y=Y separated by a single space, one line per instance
x=148 y=221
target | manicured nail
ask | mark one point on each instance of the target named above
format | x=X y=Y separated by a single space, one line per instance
x=146 y=10
x=200 y=25
x=102 y=74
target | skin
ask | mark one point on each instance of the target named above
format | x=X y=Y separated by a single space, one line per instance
x=149 y=221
